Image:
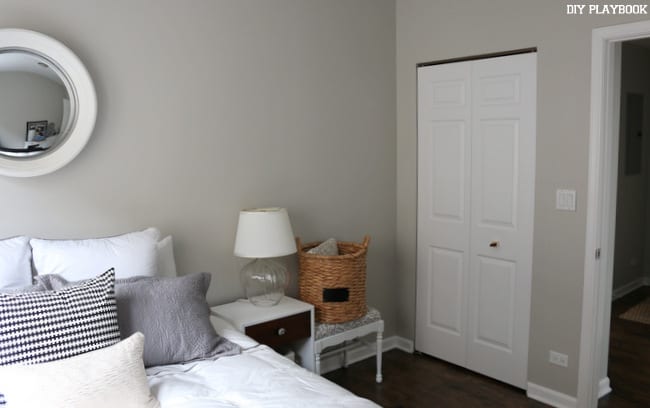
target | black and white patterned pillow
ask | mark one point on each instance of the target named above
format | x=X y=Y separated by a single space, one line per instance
x=37 y=327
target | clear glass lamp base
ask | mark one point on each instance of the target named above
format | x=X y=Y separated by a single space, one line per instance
x=264 y=281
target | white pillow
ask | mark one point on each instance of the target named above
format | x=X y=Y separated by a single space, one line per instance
x=15 y=265
x=166 y=261
x=132 y=254
x=106 y=378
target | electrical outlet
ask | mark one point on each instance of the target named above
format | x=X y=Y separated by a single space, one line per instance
x=558 y=358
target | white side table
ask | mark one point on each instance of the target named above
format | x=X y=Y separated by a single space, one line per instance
x=332 y=334
x=290 y=323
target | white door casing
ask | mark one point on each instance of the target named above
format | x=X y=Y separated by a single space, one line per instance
x=601 y=206
x=476 y=177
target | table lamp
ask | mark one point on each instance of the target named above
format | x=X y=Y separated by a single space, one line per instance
x=262 y=234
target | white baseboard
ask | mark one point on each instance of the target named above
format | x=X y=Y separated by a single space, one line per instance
x=603 y=387
x=404 y=344
x=630 y=287
x=550 y=397
x=335 y=362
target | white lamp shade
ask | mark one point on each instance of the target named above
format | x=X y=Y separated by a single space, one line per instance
x=264 y=233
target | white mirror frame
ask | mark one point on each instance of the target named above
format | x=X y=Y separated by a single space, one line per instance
x=80 y=87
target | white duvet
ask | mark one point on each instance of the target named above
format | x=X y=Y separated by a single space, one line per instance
x=259 y=377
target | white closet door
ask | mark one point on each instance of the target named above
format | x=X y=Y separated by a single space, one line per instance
x=503 y=199
x=476 y=165
x=444 y=154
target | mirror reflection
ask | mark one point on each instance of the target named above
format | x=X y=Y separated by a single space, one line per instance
x=35 y=109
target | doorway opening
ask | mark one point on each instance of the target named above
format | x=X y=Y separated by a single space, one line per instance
x=629 y=337
x=600 y=248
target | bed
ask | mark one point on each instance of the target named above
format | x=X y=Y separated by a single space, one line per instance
x=136 y=335
x=258 y=377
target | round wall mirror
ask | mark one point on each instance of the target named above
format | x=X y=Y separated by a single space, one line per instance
x=48 y=104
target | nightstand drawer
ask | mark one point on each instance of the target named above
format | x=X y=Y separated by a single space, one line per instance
x=280 y=332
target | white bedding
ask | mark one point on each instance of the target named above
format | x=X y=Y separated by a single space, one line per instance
x=258 y=377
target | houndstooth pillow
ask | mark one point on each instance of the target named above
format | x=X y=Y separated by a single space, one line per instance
x=38 y=327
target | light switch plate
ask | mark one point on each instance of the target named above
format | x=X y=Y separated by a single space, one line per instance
x=565 y=200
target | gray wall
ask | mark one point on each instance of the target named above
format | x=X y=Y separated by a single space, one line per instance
x=433 y=30
x=210 y=106
x=26 y=98
x=632 y=189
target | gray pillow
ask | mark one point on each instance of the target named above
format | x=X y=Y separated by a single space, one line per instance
x=172 y=313
x=327 y=248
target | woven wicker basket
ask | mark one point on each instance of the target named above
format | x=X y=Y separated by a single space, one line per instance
x=335 y=285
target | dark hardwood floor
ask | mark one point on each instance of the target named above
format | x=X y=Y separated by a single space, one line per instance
x=413 y=380
x=629 y=356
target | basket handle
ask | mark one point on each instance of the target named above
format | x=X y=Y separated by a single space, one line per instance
x=298 y=244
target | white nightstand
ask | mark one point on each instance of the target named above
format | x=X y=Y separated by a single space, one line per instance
x=289 y=324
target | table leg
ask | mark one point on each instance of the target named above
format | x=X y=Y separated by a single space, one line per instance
x=380 y=335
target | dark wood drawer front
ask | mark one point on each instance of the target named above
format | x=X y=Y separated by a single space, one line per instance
x=282 y=331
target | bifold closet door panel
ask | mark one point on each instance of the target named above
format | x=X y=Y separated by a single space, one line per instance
x=501 y=234
x=444 y=154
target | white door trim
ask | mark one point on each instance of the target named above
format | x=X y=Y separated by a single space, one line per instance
x=601 y=204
